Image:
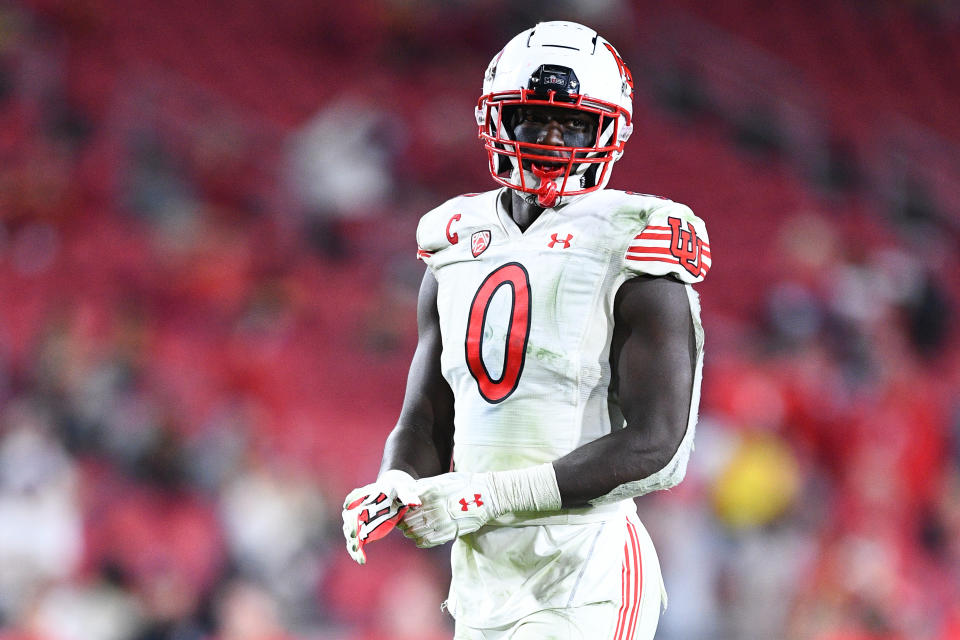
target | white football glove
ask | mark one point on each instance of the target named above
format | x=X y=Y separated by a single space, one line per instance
x=453 y=504
x=370 y=512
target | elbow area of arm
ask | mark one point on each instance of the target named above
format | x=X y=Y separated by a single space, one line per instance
x=658 y=454
x=647 y=468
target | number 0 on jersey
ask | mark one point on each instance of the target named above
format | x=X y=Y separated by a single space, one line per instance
x=515 y=276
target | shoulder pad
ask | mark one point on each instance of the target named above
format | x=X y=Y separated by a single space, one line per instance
x=442 y=227
x=667 y=239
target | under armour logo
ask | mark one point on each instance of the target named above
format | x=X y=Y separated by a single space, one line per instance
x=476 y=501
x=554 y=240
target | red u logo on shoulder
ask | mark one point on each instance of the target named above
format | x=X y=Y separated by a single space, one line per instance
x=685 y=246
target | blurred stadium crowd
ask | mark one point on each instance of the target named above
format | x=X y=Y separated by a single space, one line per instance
x=207 y=292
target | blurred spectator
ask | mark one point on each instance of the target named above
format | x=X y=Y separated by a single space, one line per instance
x=247 y=612
x=93 y=610
x=273 y=519
x=341 y=167
x=41 y=534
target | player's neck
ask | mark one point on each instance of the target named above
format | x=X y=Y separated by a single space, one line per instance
x=522 y=212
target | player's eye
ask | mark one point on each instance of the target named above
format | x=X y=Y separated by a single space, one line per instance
x=536 y=117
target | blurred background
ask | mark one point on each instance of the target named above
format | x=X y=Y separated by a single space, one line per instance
x=207 y=306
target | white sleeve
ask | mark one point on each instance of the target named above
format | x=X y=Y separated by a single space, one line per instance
x=430 y=235
x=670 y=241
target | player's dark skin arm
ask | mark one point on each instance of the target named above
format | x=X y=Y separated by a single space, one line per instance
x=653 y=358
x=422 y=441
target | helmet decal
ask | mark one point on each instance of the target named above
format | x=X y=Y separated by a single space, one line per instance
x=556 y=78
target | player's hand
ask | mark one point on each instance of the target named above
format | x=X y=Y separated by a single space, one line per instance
x=370 y=512
x=453 y=504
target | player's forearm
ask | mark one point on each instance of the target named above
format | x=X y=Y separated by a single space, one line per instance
x=459 y=503
x=414 y=451
x=626 y=456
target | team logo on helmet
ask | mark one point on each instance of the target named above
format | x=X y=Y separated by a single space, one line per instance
x=479 y=242
x=556 y=78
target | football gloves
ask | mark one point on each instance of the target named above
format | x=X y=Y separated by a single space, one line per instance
x=454 y=504
x=370 y=512
x=459 y=503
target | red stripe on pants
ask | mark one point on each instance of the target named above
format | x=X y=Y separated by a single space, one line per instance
x=631 y=577
x=638 y=579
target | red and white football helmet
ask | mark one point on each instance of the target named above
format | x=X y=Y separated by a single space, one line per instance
x=556 y=64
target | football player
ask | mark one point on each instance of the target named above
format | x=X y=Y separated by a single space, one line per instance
x=558 y=364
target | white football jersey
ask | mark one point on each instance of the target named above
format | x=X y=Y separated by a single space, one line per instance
x=527 y=320
x=527 y=317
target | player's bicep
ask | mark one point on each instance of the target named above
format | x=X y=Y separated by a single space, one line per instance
x=423 y=437
x=654 y=360
x=428 y=397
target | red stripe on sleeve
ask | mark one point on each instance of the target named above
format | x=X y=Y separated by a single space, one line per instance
x=641 y=259
x=639 y=248
x=652 y=236
x=647 y=249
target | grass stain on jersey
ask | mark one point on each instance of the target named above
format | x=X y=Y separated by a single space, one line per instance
x=544 y=355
